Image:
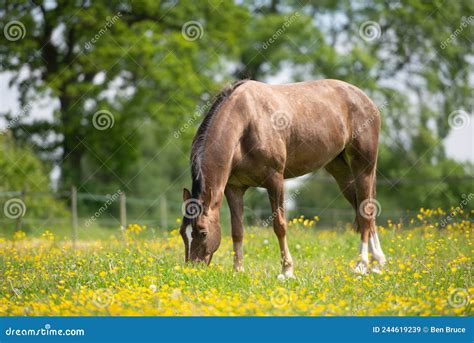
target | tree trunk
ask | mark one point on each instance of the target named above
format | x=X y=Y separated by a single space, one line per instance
x=71 y=171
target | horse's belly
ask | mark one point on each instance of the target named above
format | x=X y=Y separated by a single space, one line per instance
x=307 y=155
x=300 y=165
x=308 y=150
x=302 y=169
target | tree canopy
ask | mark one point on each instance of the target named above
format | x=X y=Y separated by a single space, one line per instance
x=129 y=82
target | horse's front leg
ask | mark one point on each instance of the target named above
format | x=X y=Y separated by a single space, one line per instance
x=276 y=194
x=235 y=199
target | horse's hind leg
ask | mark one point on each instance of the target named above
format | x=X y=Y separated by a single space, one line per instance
x=275 y=190
x=363 y=166
x=342 y=173
x=377 y=253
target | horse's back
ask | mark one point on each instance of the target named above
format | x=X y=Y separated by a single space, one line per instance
x=302 y=126
x=312 y=100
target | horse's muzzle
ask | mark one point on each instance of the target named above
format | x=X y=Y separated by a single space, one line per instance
x=206 y=259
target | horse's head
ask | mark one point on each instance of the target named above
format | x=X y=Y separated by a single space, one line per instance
x=200 y=227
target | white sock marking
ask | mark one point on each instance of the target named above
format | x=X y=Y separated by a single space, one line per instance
x=361 y=267
x=377 y=243
x=376 y=249
x=364 y=252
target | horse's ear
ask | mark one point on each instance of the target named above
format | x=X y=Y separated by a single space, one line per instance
x=207 y=199
x=186 y=194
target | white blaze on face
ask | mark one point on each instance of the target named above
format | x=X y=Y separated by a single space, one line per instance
x=189 y=230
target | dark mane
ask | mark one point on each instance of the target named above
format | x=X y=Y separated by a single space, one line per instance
x=200 y=138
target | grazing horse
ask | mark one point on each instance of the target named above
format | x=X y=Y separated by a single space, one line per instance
x=257 y=135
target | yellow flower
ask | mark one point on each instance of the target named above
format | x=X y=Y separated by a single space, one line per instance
x=48 y=235
x=18 y=235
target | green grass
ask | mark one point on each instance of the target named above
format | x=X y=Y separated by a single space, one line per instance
x=429 y=272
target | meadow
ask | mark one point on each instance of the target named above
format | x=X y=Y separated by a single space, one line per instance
x=429 y=272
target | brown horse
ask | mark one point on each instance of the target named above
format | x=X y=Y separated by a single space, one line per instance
x=257 y=134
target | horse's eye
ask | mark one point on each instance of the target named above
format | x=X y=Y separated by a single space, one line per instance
x=203 y=233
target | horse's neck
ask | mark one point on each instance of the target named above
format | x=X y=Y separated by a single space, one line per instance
x=215 y=175
x=218 y=154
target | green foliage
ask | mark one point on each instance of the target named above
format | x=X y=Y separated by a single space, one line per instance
x=129 y=59
x=23 y=171
x=133 y=60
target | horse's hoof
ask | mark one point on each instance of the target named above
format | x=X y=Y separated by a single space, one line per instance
x=379 y=259
x=288 y=274
x=239 y=269
x=361 y=268
x=377 y=269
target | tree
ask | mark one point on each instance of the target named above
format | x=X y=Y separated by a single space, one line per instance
x=23 y=171
x=151 y=69
x=113 y=66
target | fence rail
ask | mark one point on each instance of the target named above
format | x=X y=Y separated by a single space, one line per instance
x=164 y=208
x=381 y=181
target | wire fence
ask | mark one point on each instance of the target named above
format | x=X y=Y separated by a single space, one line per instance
x=82 y=209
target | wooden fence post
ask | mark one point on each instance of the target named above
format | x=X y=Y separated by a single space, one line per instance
x=163 y=211
x=18 y=219
x=74 y=215
x=123 y=213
